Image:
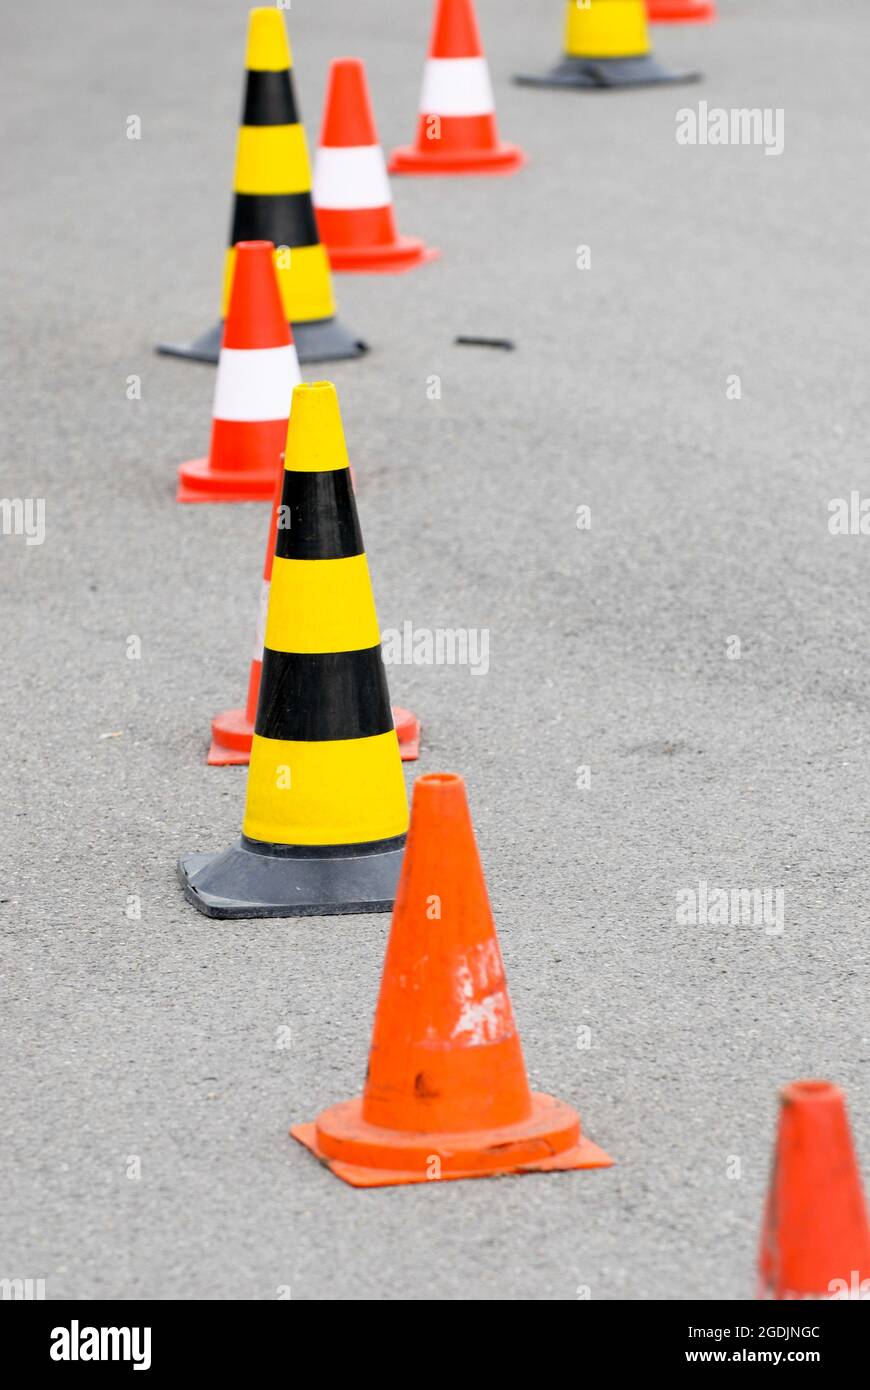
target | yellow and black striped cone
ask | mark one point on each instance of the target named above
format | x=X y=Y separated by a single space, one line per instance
x=326 y=812
x=607 y=44
x=273 y=203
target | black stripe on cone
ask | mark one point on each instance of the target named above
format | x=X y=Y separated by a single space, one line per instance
x=319 y=522
x=286 y=219
x=270 y=100
x=292 y=704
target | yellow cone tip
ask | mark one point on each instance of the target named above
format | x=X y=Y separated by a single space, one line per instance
x=268 y=47
x=315 y=437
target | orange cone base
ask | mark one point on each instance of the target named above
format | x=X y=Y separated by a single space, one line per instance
x=198 y=483
x=399 y=255
x=681 y=11
x=365 y=1156
x=232 y=732
x=502 y=160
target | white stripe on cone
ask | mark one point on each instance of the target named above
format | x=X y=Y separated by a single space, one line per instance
x=456 y=87
x=351 y=176
x=256 y=383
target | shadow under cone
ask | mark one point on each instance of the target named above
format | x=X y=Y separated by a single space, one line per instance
x=446 y=1093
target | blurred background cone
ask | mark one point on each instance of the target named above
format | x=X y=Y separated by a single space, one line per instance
x=352 y=194
x=273 y=201
x=456 y=128
x=607 y=44
x=256 y=374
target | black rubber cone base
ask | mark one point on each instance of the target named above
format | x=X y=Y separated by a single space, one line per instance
x=251 y=879
x=601 y=74
x=203 y=349
x=326 y=340
x=318 y=340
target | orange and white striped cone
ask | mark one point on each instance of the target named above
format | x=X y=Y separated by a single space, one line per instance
x=456 y=131
x=352 y=196
x=257 y=371
x=681 y=11
x=232 y=731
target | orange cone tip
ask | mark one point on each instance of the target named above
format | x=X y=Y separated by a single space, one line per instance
x=352 y=195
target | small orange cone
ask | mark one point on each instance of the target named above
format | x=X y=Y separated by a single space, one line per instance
x=815 y=1240
x=352 y=195
x=446 y=1093
x=456 y=126
x=257 y=371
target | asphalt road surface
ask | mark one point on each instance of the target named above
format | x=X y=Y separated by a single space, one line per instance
x=744 y=765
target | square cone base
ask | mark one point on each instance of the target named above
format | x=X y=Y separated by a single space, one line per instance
x=534 y=1145
x=504 y=159
x=251 y=880
x=319 y=340
x=326 y=340
x=403 y=254
x=232 y=734
x=205 y=348
x=585 y=1154
x=603 y=74
x=197 y=482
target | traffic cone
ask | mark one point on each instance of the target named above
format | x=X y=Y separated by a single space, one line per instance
x=446 y=1093
x=256 y=374
x=815 y=1240
x=456 y=131
x=352 y=194
x=680 y=11
x=232 y=731
x=607 y=44
x=326 y=812
x=273 y=200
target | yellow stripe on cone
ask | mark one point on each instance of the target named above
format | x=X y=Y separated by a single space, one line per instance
x=303 y=279
x=335 y=793
x=606 y=29
x=321 y=606
x=272 y=159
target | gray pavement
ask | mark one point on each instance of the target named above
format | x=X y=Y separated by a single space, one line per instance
x=157 y=1038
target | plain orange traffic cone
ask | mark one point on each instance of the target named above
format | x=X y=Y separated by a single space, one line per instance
x=815 y=1240
x=232 y=731
x=446 y=1093
x=257 y=371
x=456 y=129
x=352 y=196
x=681 y=11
